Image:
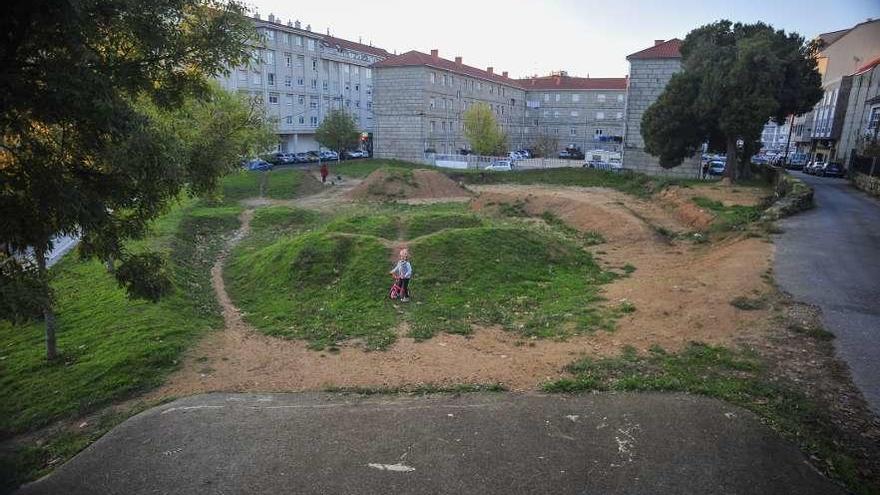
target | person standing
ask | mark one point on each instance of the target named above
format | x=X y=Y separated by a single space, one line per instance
x=324 y=172
x=402 y=272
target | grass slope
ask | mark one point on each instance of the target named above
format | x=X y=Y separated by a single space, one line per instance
x=112 y=346
x=278 y=183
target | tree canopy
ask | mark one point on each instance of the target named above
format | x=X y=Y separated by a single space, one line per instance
x=108 y=113
x=482 y=130
x=337 y=131
x=734 y=78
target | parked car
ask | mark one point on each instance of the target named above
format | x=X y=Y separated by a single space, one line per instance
x=302 y=157
x=501 y=165
x=830 y=169
x=515 y=155
x=571 y=153
x=281 y=158
x=716 y=167
x=525 y=153
x=258 y=165
x=814 y=166
x=329 y=155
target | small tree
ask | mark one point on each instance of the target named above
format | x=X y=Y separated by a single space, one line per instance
x=337 y=132
x=107 y=114
x=483 y=132
x=734 y=77
x=546 y=145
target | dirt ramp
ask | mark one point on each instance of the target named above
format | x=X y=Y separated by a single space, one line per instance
x=391 y=184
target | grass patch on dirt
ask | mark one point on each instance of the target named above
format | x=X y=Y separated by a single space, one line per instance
x=518 y=278
x=112 y=347
x=278 y=183
x=734 y=217
x=320 y=287
x=739 y=376
x=631 y=183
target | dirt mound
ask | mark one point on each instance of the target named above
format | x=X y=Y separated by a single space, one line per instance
x=389 y=184
x=685 y=209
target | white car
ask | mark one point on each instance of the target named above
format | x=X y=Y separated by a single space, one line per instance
x=500 y=165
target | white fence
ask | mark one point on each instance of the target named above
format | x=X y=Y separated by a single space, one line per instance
x=481 y=162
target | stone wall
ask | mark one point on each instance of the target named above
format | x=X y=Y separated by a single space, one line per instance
x=398 y=129
x=647 y=79
x=870 y=185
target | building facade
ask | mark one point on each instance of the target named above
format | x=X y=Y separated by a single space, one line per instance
x=862 y=117
x=300 y=76
x=649 y=72
x=420 y=100
x=774 y=137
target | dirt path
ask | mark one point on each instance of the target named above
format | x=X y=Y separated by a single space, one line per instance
x=681 y=292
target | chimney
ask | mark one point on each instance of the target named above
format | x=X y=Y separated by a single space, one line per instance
x=558 y=80
x=271 y=17
x=289 y=24
x=257 y=16
x=458 y=60
x=297 y=24
x=504 y=74
x=490 y=69
x=435 y=54
x=308 y=27
x=658 y=42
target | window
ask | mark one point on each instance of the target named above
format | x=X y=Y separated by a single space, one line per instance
x=257 y=78
x=600 y=115
x=345 y=68
x=270 y=35
x=432 y=76
x=357 y=87
x=597 y=132
x=325 y=85
x=288 y=99
x=300 y=81
x=433 y=126
x=288 y=120
x=270 y=57
x=619 y=115
x=300 y=61
x=288 y=81
x=302 y=119
x=620 y=98
x=273 y=98
x=311 y=44
x=368 y=72
x=546 y=96
x=600 y=97
x=443 y=126
x=574 y=113
x=575 y=98
x=558 y=96
x=301 y=99
x=285 y=38
x=298 y=41
x=314 y=64
x=431 y=103
x=875 y=118
x=288 y=59
x=556 y=113
x=314 y=121
x=270 y=79
x=443 y=83
x=572 y=132
x=356 y=70
x=556 y=131
x=315 y=83
x=313 y=103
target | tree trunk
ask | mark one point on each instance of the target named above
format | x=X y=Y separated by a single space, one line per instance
x=48 y=310
x=731 y=169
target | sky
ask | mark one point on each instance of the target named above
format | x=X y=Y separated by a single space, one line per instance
x=526 y=37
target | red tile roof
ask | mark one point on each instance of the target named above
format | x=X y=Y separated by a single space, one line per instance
x=870 y=65
x=666 y=49
x=415 y=58
x=351 y=45
x=568 y=82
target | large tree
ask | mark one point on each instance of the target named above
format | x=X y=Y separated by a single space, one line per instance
x=107 y=113
x=481 y=129
x=337 y=132
x=734 y=77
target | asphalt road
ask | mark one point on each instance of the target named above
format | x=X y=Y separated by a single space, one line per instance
x=484 y=444
x=830 y=256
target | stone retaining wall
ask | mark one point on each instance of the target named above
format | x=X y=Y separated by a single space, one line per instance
x=870 y=185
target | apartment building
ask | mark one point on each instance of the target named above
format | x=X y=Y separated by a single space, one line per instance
x=649 y=72
x=576 y=111
x=300 y=76
x=420 y=100
x=775 y=136
x=842 y=53
x=862 y=118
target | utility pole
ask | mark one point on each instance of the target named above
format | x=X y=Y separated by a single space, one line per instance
x=788 y=141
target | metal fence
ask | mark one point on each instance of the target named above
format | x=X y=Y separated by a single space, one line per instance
x=476 y=162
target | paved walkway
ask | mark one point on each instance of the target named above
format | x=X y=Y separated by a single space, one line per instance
x=484 y=444
x=830 y=257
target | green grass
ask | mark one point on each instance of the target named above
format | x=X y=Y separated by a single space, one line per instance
x=112 y=347
x=631 y=183
x=734 y=217
x=738 y=376
x=278 y=183
x=330 y=283
x=363 y=168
